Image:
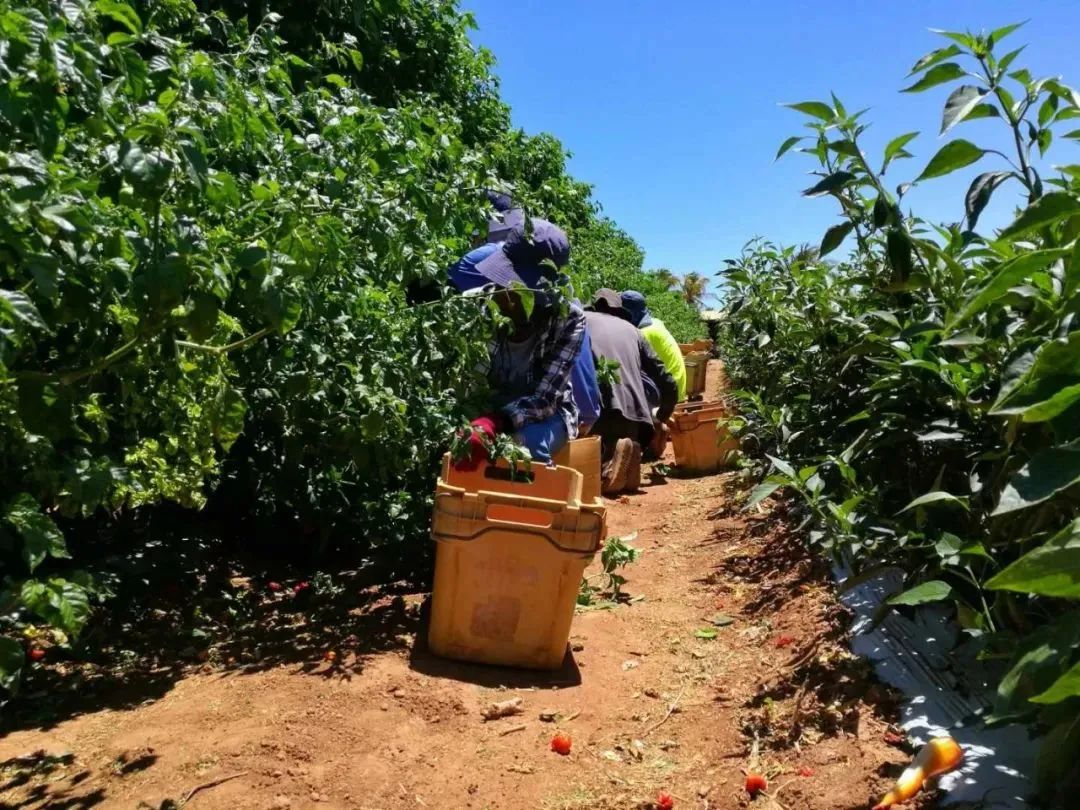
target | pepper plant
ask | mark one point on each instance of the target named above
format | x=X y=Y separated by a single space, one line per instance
x=921 y=395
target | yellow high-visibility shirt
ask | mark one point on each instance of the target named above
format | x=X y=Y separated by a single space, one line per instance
x=667 y=349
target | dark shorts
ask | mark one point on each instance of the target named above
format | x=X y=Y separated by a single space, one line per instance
x=612 y=426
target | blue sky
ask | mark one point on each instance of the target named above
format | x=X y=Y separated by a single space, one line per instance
x=671 y=109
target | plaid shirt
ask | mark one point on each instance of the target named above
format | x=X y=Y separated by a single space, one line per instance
x=556 y=352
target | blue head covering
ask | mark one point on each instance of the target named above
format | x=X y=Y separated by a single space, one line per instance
x=634 y=303
x=519 y=258
x=463 y=273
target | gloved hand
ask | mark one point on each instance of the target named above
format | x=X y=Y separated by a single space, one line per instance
x=483 y=429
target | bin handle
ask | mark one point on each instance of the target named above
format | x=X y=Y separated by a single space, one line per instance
x=511 y=513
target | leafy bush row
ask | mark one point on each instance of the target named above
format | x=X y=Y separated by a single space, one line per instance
x=605 y=256
x=922 y=396
x=223 y=234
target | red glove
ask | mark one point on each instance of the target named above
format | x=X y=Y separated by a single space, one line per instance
x=483 y=428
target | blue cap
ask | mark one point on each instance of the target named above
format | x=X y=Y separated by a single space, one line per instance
x=518 y=259
x=499 y=201
x=499 y=229
x=463 y=273
x=634 y=303
x=508 y=216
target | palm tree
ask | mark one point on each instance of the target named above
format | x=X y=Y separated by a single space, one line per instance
x=666 y=277
x=807 y=254
x=694 y=286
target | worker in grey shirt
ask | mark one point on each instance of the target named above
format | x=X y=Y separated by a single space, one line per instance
x=626 y=422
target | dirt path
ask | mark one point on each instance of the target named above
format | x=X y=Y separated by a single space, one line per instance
x=655 y=704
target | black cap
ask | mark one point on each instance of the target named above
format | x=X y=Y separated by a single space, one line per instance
x=608 y=302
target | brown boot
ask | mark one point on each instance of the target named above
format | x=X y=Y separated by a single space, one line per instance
x=633 y=469
x=613 y=476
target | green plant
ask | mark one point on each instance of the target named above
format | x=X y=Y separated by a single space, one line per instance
x=605 y=256
x=920 y=398
x=616 y=554
x=223 y=242
x=608 y=372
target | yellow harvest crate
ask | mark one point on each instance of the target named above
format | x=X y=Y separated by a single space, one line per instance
x=583 y=455
x=509 y=559
x=697 y=364
x=703 y=345
x=701 y=443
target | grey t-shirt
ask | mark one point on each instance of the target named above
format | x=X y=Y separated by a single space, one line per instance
x=619 y=340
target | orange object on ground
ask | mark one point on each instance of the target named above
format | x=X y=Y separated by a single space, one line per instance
x=702 y=444
x=938 y=756
x=665 y=802
x=561 y=743
x=755 y=783
x=510 y=553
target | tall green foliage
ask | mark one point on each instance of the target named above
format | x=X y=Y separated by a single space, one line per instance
x=210 y=227
x=922 y=396
x=605 y=256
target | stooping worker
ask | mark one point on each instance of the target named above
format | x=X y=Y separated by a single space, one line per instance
x=661 y=340
x=465 y=277
x=626 y=422
x=532 y=358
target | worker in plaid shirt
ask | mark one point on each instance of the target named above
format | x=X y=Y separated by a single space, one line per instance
x=530 y=362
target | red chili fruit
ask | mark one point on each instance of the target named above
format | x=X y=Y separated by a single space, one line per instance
x=274 y=586
x=755 y=783
x=300 y=587
x=560 y=744
x=892 y=738
x=805 y=771
x=37 y=654
x=785 y=641
x=664 y=801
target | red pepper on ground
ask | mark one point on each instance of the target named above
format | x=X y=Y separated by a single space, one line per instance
x=664 y=801
x=755 y=783
x=560 y=744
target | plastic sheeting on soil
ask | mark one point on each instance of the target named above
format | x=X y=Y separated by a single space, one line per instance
x=947 y=690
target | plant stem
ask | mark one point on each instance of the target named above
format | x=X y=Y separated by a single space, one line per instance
x=1014 y=125
x=229 y=347
x=70 y=377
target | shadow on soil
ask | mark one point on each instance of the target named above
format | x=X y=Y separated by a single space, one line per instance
x=820 y=686
x=215 y=613
x=42 y=780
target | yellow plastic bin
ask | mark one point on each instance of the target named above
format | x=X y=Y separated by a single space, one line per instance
x=697 y=364
x=583 y=455
x=703 y=345
x=701 y=443
x=509 y=559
